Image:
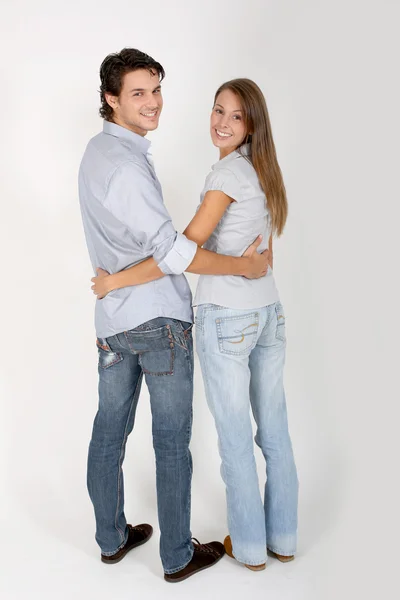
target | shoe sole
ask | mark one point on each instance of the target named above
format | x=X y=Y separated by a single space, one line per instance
x=282 y=559
x=256 y=567
x=114 y=562
x=193 y=573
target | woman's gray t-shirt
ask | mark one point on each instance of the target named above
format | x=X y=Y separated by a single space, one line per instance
x=242 y=222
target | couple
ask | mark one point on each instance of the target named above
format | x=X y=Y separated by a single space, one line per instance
x=144 y=319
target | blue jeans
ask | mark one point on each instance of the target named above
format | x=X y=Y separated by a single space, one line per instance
x=242 y=355
x=162 y=350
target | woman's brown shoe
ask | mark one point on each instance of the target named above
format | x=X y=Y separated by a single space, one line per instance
x=228 y=550
x=280 y=557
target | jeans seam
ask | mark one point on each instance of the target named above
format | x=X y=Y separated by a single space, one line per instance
x=135 y=393
x=118 y=549
x=171 y=571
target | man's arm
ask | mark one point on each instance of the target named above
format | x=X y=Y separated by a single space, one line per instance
x=203 y=261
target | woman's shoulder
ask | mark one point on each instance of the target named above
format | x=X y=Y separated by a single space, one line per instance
x=223 y=178
x=222 y=173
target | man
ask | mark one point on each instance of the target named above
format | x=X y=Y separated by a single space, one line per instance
x=144 y=329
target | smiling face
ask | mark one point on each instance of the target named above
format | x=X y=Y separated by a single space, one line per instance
x=139 y=105
x=227 y=126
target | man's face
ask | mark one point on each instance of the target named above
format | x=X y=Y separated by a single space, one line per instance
x=139 y=105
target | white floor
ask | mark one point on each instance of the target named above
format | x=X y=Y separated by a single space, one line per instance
x=58 y=559
x=44 y=566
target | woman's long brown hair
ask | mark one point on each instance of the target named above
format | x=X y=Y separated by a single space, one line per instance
x=262 y=148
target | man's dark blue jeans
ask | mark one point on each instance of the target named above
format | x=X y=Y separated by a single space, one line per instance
x=162 y=351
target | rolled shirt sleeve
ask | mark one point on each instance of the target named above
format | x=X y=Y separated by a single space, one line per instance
x=179 y=257
x=133 y=198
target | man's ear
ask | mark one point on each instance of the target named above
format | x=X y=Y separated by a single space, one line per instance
x=111 y=100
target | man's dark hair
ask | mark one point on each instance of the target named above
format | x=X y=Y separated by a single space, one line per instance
x=115 y=66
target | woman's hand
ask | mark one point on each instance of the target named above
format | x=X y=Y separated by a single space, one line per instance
x=259 y=262
x=101 y=285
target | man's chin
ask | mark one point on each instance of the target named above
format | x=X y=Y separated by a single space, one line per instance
x=150 y=125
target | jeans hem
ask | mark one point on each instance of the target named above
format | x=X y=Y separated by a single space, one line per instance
x=252 y=563
x=117 y=550
x=171 y=571
x=281 y=552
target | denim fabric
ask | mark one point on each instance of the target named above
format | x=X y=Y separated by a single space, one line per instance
x=162 y=351
x=242 y=355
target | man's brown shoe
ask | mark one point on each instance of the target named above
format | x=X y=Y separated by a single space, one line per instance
x=138 y=535
x=228 y=550
x=204 y=556
x=280 y=557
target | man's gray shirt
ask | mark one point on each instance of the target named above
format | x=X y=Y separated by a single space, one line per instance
x=125 y=222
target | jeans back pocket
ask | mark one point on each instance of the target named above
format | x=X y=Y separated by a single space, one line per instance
x=237 y=334
x=154 y=347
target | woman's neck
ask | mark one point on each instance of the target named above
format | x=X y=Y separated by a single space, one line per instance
x=223 y=152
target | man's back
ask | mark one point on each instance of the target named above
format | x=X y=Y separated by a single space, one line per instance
x=125 y=222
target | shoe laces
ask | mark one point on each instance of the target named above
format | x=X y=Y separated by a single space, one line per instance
x=203 y=547
x=136 y=528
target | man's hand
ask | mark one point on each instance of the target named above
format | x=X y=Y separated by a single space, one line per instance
x=257 y=264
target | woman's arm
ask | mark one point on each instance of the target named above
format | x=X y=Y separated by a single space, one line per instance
x=199 y=230
x=144 y=272
x=207 y=217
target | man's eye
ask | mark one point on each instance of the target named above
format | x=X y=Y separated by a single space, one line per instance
x=138 y=94
x=157 y=91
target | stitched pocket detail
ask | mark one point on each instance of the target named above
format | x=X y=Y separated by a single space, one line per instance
x=107 y=358
x=238 y=334
x=280 y=323
x=155 y=348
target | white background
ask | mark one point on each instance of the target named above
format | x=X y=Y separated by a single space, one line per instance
x=329 y=71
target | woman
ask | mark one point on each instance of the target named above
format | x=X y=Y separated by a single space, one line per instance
x=240 y=327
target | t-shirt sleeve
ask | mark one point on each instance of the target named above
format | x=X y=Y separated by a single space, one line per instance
x=223 y=180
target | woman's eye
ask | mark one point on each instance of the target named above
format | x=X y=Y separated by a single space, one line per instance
x=237 y=118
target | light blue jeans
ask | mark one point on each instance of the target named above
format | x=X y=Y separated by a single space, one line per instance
x=242 y=355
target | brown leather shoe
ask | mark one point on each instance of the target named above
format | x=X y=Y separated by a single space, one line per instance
x=204 y=556
x=280 y=557
x=228 y=550
x=138 y=535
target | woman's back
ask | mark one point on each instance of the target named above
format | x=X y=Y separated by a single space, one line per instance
x=242 y=222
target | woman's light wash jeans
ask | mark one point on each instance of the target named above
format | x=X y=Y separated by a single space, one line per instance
x=242 y=355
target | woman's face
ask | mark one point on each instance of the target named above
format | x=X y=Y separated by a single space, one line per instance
x=227 y=124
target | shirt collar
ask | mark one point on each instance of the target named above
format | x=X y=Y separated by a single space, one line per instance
x=243 y=150
x=122 y=132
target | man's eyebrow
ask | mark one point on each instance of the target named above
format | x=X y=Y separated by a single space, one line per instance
x=143 y=90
